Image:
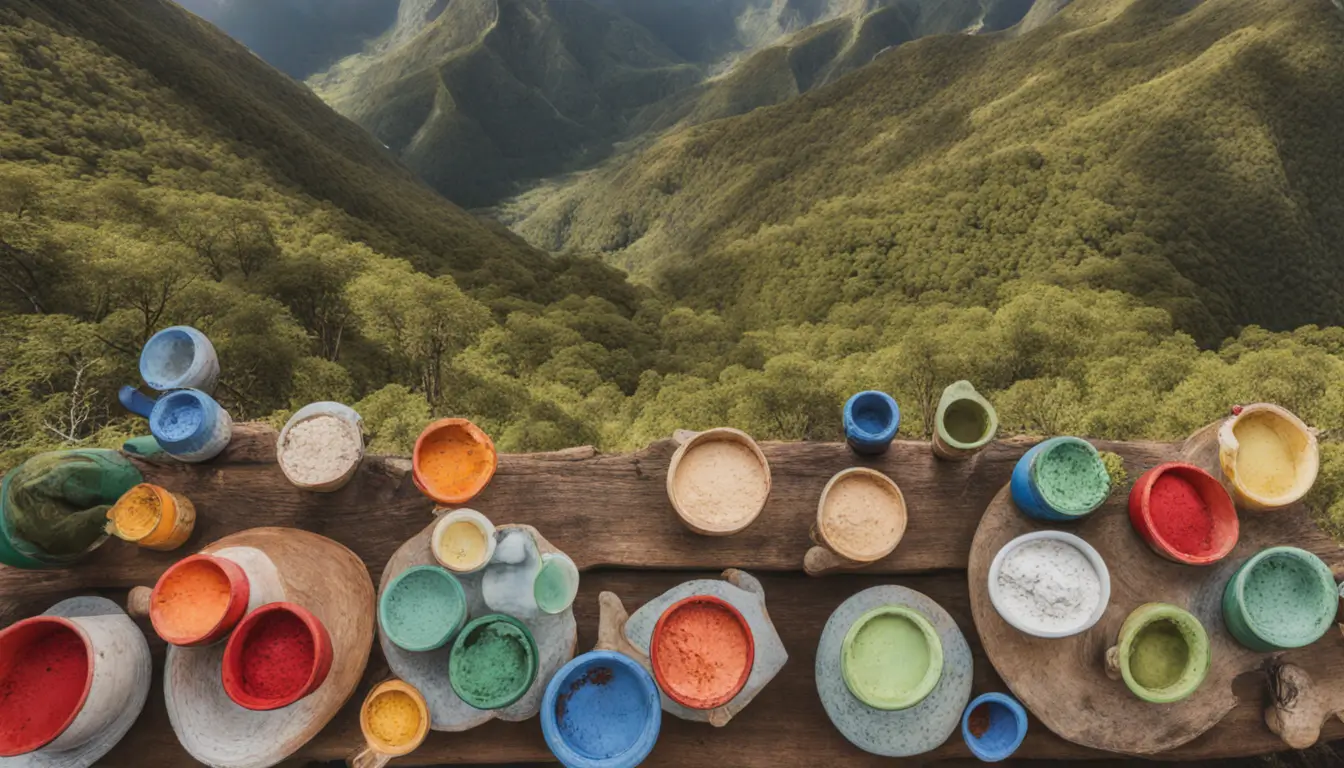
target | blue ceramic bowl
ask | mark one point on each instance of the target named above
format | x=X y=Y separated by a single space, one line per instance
x=1072 y=460
x=1004 y=724
x=179 y=357
x=871 y=421
x=601 y=710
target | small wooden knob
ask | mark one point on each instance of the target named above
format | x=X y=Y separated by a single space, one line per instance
x=1113 y=662
x=137 y=602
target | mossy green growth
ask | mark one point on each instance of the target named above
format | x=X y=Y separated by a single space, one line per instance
x=1326 y=500
x=1115 y=468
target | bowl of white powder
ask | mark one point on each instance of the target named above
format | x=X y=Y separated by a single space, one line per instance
x=321 y=446
x=1049 y=584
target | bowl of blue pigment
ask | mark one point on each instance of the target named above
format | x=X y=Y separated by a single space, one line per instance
x=601 y=710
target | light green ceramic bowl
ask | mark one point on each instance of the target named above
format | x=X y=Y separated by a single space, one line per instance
x=891 y=658
x=1164 y=653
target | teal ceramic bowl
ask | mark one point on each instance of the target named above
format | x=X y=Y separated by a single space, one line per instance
x=1281 y=598
x=422 y=608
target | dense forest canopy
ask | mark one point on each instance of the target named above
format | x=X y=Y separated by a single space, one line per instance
x=153 y=172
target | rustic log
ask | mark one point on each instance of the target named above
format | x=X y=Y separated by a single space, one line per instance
x=613 y=510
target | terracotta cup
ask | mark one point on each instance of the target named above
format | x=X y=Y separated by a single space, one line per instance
x=453 y=461
x=65 y=680
x=394 y=720
x=1146 y=513
x=279 y=654
x=681 y=640
x=199 y=600
x=175 y=517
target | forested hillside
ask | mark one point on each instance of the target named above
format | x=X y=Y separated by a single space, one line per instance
x=1183 y=152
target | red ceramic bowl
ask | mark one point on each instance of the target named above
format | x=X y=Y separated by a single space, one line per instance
x=1145 y=512
x=698 y=645
x=46 y=669
x=199 y=600
x=279 y=654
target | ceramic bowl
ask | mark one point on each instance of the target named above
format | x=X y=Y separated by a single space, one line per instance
x=1289 y=435
x=686 y=634
x=422 y=608
x=1163 y=653
x=279 y=654
x=179 y=357
x=513 y=673
x=1039 y=475
x=355 y=427
x=857 y=658
x=601 y=710
x=871 y=421
x=470 y=517
x=1281 y=598
x=453 y=460
x=404 y=696
x=1145 y=515
x=890 y=516
x=964 y=423
x=693 y=487
x=199 y=600
x=993 y=726
x=998 y=599
x=556 y=584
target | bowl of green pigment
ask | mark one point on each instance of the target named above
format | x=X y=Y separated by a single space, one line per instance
x=1281 y=598
x=493 y=662
x=1060 y=479
x=1163 y=654
x=422 y=608
x=891 y=658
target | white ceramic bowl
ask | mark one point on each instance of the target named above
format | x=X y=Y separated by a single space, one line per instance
x=1099 y=565
x=464 y=515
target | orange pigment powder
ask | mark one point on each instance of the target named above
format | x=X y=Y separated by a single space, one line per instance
x=192 y=601
x=452 y=463
x=702 y=652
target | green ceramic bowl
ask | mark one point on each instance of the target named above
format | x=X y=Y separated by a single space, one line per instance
x=1164 y=653
x=493 y=662
x=1281 y=598
x=422 y=608
x=891 y=658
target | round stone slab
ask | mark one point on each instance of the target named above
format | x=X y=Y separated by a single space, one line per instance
x=94 y=749
x=907 y=732
x=770 y=653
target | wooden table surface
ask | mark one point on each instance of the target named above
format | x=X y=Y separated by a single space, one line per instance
x=611 y=515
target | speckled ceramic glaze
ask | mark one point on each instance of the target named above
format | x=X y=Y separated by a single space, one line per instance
x=871 y=421
x=1281 y=598
x=907 y=732
x=1060 y=479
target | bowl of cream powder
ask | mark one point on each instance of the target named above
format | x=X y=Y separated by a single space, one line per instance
x=1049 y=584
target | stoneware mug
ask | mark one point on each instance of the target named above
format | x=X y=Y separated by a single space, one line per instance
x=601 y=710
x=152 y=517
x=66 y=680
x=891 y=658
x=1281 y=598
x=1061 y=479
x=179 y=357
x=993 y=726
x=871 y=420
x=355 y=435
x=279 y=654
x=964 y=423
x=188 y=424
x=1162 y=654
x=394 y=720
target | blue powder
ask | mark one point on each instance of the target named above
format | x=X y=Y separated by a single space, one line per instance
x=601 y=712
x=181 y=420
x=872 y=415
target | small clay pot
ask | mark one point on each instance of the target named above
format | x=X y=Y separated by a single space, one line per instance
x=1247 y=442
x=1093 y=557
x=279 y=654
x=1162 y=654
x=354 y=423
x=453 y=461
x=376 y=723
x=470 y=517
x=469 y=675
x=211 y=426
x=1062 y=479
x=673 y=629
x=1281 y=598
x=1143 y=514
x=172 y=527
x=422 y=608
x=199 y=600
x=179 y=357
x=964 y=423
x=69 y=678
x=858 y=655
x=556 y=584
x=601 y=710
x=694 y=486
x=882 y=502
x=871 y=420
x=993 y=726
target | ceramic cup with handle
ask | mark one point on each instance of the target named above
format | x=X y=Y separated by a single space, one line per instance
x=187 y=423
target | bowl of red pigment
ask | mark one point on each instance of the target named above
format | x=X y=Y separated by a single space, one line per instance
x=46 y=673
x=279 y=654
x=199 y=600
x=702 y=652
x=1184 y=514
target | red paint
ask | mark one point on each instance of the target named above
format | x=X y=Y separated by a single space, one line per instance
x=1236 y=410
x=45 y=676
x=1184 y=514
x=702 y=652
x=279 y=654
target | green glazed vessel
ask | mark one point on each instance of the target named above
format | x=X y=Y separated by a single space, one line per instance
x=1163 y=654
x=965 y=422
x=873 y=666
x=494 y=662
x=1281 y=598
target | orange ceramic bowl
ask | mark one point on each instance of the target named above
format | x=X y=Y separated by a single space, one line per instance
x=199 y=600
x=702 y=652
x=453 y=461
